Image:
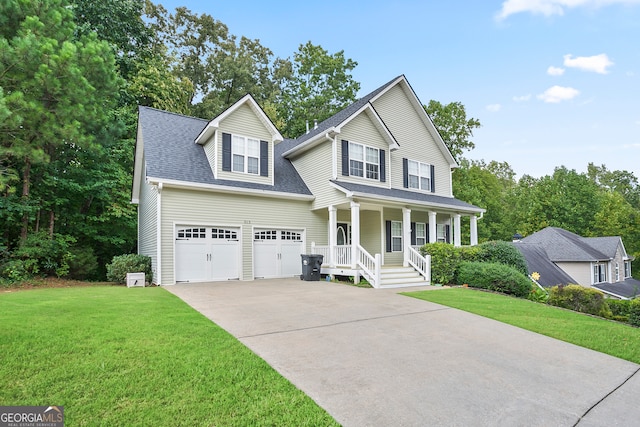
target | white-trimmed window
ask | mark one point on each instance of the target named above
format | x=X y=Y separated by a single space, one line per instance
x=364 y=161
x=617 y=272
x=419 y=175
x=421 y=233
x=396 y=236
x=599 y=273
x=245 y=153
x=441 y=233
x=627 y=269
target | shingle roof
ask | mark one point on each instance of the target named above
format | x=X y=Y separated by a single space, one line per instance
x=628 y=288
x=171 y=153
x=562 y=245
x=539 y=262
x=408 y=195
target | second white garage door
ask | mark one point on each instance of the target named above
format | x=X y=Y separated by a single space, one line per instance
x=276 y=253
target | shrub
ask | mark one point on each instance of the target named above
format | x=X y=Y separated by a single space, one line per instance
x=83 y=265
x=39 y=255
x=634 y=312
x=580 y=298
x=444 y=261
x=538 y=295
x=131 y=263
x=620 y=309
x=503 y=253
x=494 y=277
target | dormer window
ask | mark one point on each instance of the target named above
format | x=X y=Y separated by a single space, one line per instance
x=246 y=155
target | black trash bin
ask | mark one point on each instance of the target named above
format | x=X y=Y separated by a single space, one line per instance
x=311 y=265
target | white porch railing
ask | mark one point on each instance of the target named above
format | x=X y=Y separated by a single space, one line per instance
x=420 y=263
x=370 y=266
x=341 y=254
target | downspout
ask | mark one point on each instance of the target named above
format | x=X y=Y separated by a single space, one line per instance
x=159 y=236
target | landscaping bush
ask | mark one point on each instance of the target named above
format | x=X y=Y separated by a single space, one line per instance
x=494 y=277
x=445 y=259
x=123 y=264
x=580 y=298
x=634 y=312
x=503 y=253
x=620 y=309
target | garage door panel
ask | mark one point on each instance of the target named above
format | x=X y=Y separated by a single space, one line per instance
x=207 y=253
x=276 y=253
x=224 y=260
x=291 y=263
x=191 y=261
x=265 y=259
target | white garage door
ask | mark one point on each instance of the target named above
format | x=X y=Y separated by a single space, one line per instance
x=207 y=253
x=276 y=253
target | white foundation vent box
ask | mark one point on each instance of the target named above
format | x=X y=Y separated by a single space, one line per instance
x=135 y=279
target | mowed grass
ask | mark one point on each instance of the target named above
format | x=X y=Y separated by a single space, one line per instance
x=122 y=357
x=613 y=338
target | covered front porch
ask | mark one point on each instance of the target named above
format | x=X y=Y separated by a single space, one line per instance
x=380 y=241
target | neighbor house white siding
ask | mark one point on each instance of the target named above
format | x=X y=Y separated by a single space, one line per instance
x=580 y=271
x=194 y=207
x=415 y=140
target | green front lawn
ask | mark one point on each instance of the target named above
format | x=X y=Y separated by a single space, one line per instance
x=117 y=356
x=613 y=338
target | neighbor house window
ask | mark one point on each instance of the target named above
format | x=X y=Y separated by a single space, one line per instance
x=421 y=233
x=599 y=273
x=246 y=155
x=364 y=161
x=617 y=272
x=419 y=175
x=627 y=269
x=396 y=236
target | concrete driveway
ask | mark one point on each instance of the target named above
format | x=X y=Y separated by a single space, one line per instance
x=375 y=358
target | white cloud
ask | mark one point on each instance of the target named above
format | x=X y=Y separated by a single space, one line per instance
x=522 y=98
x=552 y=7
x=555 y=71
x=596 y=63
x=493 y=107
x=557 y=94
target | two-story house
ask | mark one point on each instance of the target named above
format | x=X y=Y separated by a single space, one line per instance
x=230 y=198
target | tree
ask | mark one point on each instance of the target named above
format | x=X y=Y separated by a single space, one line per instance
x=59 y=87
x=453 y=126
x=320 y=85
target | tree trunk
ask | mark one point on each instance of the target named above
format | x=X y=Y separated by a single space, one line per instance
x=25 y=197
x=52 y=218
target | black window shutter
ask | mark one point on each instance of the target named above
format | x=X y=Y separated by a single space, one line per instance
x=405 y=173
x=264 y=158
x=345 y=157
x=413 y=233
x=427 y=225
x=383 y=167
x=447 y=233
x=226 y=151
x=433 y=179
x=388 y=224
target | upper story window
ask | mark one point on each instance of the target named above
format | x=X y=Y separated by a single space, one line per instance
x=599 y=273
x=246 y=154
x=364 y=161
x=418 y=175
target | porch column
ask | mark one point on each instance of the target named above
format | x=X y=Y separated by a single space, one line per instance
x=456 y=230
x=433 y=237
x=355 y=233
x=333 y=238
x=406 y=235
x=473 y=222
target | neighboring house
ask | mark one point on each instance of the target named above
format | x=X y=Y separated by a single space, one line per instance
x=562 y=257
x=232 y=199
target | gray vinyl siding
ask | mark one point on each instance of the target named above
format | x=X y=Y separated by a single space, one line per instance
x=370 y=232
x=316 y=169
x=415 y=140
x=391 y=258
x=244 y=122
x=361 y=130
x=193 y=207
x=581 y=272
x=147 y=224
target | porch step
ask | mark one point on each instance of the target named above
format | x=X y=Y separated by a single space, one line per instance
x=400 y=276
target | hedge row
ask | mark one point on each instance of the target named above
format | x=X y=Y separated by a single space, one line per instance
x=494 y=277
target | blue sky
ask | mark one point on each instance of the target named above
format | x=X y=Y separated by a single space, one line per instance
x=553 y=82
